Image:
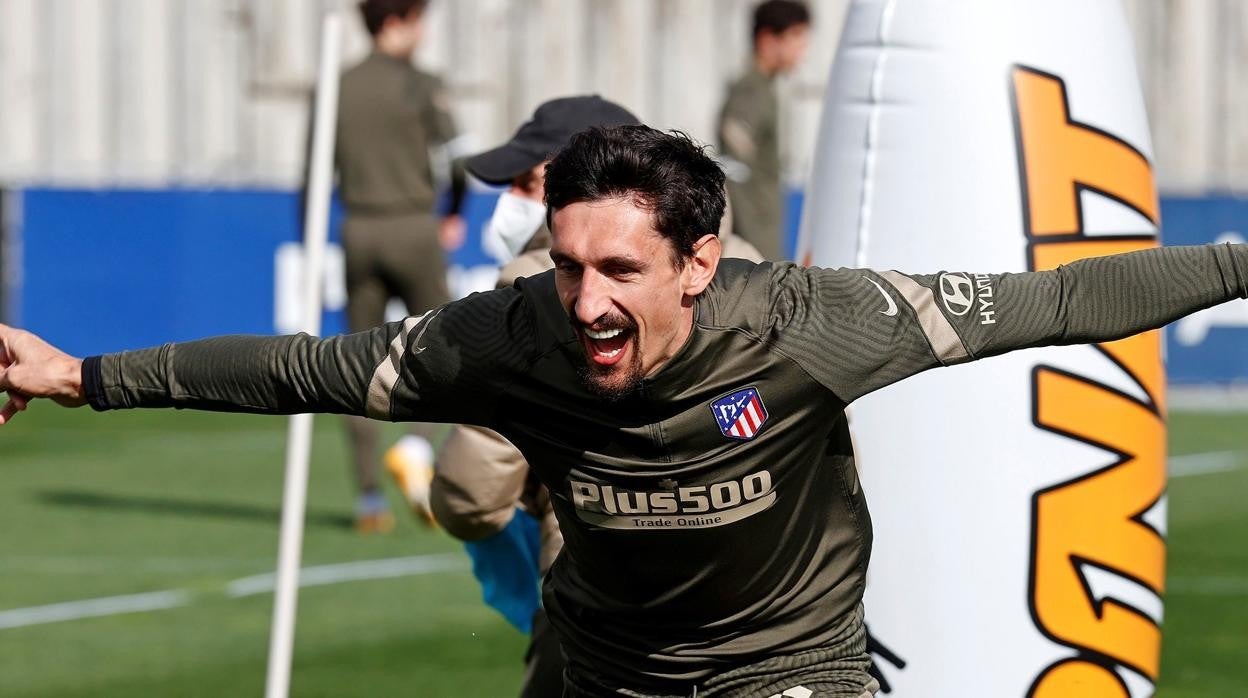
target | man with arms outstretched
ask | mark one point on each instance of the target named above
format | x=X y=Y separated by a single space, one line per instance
x=687 y=415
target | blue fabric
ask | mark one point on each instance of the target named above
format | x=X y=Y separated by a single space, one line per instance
x=507 y=565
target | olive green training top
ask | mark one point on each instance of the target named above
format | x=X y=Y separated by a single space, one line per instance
x=389 y=117
x=749 y=138
x=714 y=518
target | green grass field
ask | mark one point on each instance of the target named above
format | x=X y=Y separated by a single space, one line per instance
x=128 y=503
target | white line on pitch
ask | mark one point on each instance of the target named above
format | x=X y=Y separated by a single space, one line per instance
x=1203 y=463
x=127 y=564
x=93 y=608
x=352 y=571
x=1208 y=586
x=320 y=575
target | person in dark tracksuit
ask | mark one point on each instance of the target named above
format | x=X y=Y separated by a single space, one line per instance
x=391 y=117
x=481 y=479
x=749 y=125
x=685 y=413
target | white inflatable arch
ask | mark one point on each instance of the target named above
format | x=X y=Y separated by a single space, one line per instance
x=1018 y=502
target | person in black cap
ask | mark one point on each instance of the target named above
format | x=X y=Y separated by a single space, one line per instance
x=518 y=223
x=480 y=479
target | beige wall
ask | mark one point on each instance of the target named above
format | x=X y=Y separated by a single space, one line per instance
x=156 y=92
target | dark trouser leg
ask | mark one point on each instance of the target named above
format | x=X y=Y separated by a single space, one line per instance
x=366 y=307
x=363 y=436
x=414 y=268
x=543 y=662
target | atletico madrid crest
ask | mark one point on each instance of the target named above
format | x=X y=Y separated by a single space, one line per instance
x=741 y=414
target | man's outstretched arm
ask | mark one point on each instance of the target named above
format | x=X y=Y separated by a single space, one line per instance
x=885 y=326
x=272 y=375
x=1102 y=299
x=279 y=375
x=442 y=366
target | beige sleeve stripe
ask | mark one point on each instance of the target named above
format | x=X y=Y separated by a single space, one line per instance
x=940 y=333
x=386 y=374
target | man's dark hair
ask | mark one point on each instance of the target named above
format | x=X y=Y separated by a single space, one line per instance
x=776 y=16
x=376 y=11
x=666 y=174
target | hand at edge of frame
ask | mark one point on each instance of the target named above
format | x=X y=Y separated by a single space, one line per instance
x=31 y=368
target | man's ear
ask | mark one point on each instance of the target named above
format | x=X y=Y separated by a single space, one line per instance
x=700 y=267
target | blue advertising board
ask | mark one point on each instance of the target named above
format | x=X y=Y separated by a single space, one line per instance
x=111 y=270
x=1209 y=347
x=108 y=270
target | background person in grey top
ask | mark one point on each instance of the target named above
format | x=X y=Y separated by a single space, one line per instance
x=749 y=125
x=394 y=127
x=685 y=413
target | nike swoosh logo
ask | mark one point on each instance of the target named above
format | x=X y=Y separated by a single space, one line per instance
x=892 y=305
x=416 y=348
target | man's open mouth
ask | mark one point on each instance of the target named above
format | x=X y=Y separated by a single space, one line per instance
x=606 y=347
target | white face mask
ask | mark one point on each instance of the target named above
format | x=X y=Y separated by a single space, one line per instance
x=516 y=219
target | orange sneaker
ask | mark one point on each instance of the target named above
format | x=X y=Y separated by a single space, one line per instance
x=410 y=463
x=377 y=522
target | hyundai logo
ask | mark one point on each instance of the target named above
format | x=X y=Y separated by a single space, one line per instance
x=958 y=293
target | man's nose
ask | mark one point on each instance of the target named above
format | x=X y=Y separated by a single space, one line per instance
x=594 y=299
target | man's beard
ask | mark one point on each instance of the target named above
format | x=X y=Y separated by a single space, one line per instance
x=614 y=383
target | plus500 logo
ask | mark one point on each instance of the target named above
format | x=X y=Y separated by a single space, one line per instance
x=672 y=506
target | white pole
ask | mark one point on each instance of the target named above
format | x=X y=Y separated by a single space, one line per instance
x=299 y=436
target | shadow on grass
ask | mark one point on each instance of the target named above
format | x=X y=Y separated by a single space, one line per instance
x=187 y=507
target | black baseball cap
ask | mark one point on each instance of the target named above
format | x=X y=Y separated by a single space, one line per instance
x=539 y=138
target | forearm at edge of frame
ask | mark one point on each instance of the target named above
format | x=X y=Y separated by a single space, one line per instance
x=267 y=375
x=1107 y=298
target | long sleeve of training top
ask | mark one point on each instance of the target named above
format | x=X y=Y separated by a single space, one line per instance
x=884 y=326
x=446 y=365
x=454 y=362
